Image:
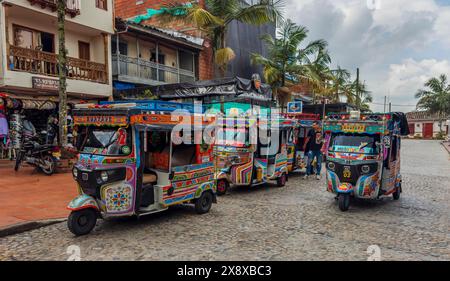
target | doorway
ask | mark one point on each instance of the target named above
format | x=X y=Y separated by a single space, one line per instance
x=47 y=42
x=428 y=130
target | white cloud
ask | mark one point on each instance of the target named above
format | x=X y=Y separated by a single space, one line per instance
x=406 y=78
x=401 y=37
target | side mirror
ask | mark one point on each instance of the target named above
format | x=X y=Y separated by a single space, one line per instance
x=171 y=175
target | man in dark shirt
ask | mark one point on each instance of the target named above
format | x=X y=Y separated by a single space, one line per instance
x=314 y=141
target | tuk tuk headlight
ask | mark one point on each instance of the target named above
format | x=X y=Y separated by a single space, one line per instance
x=104 y=176
x=75 y=173
x=365 y=169
x=331 y=166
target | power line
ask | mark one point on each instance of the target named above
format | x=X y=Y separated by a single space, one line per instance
x=395 y=104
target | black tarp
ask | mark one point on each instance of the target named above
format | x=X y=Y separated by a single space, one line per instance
x=234 y=87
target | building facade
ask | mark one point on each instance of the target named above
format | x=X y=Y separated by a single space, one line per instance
x=145 y=55
x=29 y=48
x=425 y=125
x=243 y=39
x=29 y=69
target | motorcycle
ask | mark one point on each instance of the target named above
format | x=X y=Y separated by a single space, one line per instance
x=45 y=157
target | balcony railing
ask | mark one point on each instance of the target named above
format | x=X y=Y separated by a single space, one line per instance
x=43 y=63
x=72 y=6
x=148 y=71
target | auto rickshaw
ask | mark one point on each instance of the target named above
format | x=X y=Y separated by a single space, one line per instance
x=130 y=165
x=250 y=152
x=363 y=155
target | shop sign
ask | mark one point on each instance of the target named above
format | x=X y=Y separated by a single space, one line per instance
x=295 y=107
x=45 y=83
x=101 y=120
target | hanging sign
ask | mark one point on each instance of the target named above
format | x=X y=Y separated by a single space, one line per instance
x=45 y=83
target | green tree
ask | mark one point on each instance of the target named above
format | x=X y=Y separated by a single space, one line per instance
x=435 y=97
x=62 y=68
x=340 y=84
x=216 y=18
x=360 y=97
x=288 y=62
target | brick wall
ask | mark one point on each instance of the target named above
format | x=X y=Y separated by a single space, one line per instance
x=127 y=9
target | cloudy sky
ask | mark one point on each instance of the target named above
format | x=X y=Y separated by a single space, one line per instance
x=397 y=44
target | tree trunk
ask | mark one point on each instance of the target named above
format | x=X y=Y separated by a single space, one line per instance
x=62 y=68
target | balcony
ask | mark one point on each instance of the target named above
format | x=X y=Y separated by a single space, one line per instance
x=43 y=63
x=135 y=70
x=72 y=8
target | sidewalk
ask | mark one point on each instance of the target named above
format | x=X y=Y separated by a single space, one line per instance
x=28 y=196
x=446 y=145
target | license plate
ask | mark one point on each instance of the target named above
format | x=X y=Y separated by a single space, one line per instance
x=347 y=172
x=85 y=176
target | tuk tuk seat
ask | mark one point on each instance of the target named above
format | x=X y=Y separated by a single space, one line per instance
x=149 y=179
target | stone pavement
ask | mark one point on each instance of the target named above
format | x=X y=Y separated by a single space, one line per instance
x=27 y=195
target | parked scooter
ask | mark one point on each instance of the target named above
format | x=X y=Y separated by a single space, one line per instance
x=43 y=157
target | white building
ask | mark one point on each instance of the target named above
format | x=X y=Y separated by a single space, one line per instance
x=425 y=125
x=29 y=49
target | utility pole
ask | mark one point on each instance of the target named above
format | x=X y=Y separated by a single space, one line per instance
x=385 y=100
x=357 y=90
x=62 y=67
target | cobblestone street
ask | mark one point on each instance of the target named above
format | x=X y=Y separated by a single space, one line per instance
x=298 y=222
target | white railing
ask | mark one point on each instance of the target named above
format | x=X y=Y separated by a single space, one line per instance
x=148 y=70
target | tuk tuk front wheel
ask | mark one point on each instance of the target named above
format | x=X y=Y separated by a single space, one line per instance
x=222 y=187
x=344 y=202
x=204 y=202
x=82 y=222
x=281 y=181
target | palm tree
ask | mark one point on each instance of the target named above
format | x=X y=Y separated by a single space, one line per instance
x=62 y=59
x=288 y=63
x=340 y=84
x=361 y=96
x=435 y=98
x=218 y=15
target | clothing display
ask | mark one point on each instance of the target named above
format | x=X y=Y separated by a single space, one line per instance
x=3 y=122
x=15 y=132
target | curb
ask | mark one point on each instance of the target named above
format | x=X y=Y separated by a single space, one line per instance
x=27 y=226
x=446 y=145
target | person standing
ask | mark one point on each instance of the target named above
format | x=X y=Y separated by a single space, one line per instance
x=314 y=142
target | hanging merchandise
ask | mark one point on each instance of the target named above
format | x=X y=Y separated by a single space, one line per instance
x=37 y=104
x=15 y=132
x=3 y=122
x=3 y=129
x=12 y=103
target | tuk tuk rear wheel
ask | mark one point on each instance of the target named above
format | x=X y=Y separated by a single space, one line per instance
x=397 y=193
x=222 y=187
x=281 y=181
x=204 y=202
x=82 y=222
x=344 y=202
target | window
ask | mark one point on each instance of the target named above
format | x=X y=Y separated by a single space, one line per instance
x=23 y=37
x=84 y=50
x=33 y=39
x=101 y=4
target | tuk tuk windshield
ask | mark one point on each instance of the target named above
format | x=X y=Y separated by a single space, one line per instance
x=354 y=143
x=104 y=141
x=232 y=137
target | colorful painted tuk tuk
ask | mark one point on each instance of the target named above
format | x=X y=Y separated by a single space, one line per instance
x=130 y=164
x=363 y=155
x=250 y=152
